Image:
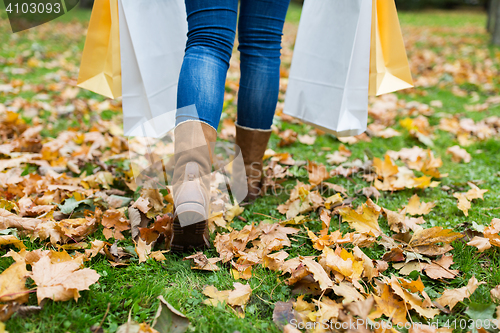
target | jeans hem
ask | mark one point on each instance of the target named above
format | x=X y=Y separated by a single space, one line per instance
x=200 y=121
x=252 y=129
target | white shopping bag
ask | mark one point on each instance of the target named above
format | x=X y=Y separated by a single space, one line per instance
x=153 y=37
x=329 y=76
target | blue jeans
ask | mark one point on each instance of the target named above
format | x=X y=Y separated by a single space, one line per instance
x=212 y=29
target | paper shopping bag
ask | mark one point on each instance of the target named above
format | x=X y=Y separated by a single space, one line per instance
x=100 y=69
x=389 y=68
x=153 y=37
x=328 y=81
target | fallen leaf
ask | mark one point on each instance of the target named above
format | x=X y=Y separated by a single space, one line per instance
x=61 y=281
x=451 y=297
x=415 y=207
x=143 y=250
x=307 y=139
x=202 y=262
x=239 y=296
x=481 y=243
x=168 y=319
x=363 y=220
x=440 y=269
x=459 y=154
x=12 y=283
x=426 y=241
x=463 y=203
x=318 y=273
x=390 y=305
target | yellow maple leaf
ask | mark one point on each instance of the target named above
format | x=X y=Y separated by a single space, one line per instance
x=386 y=168
x=365 y=220
x=415 y=207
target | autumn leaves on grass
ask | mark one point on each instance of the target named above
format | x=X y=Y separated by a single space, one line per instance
x=57 y=276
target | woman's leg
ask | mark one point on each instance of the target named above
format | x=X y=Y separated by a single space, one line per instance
x=260 y=29
x=212 y=26
x=200 y=96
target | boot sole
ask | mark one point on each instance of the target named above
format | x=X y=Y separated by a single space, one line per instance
x=191 y=236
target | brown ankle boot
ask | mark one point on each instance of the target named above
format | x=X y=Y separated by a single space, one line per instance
x=253 y=144
x=194 y=146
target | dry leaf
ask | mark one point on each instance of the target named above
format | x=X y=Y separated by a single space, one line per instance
x=239 y=296
x=459 y=154
x=363 y=220
x=203 y=263
x=440 y=269
x=481 y=243
x=142 y=249
x=426 y=241
x=12 y=283
x=415 y=207
x=451 y=297
x=318 y=273
x=307 y=139
x=61 y=281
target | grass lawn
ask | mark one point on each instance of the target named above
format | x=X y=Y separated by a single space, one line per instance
x=434 y=39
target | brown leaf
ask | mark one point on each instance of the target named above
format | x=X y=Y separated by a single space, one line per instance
x=451 y=297
x=481 y=243
x=287 y=137
x=317 y=173
x=307 y=139
x=318 y=273
x=61 y=281
x=459 y=154
x=158 y=255
x=96 y=247
x=412 y=299
x=491 y=232
x=202 y=262
x=283 y=313
x=475 y=192
x=495 y=293
x=336 y=158
x=115 y=221
x=426 y=241
x=398 y=222
x=390 y=305
x=237 y=297
x=347 y=290
x=274 y=261
x=10 y=220
x=142 y=250
x=11 y=239
x=440 y=269
x=142 y=204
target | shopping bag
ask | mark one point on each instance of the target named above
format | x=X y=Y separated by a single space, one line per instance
x=329 y=75
x=389 y=68
x=153 y=37
x=100 y=69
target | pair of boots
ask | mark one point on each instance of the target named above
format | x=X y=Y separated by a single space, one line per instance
x=194 y=149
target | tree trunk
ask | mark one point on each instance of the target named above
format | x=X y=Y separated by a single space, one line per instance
x=488 y=14
x=86 y=3
x=495 y=36
x=491 y=6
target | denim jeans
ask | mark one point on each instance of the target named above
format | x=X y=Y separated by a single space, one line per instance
x=211 y=33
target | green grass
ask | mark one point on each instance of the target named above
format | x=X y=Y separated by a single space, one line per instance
x=444 y=18
x=134 y=289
